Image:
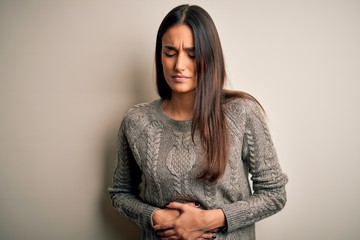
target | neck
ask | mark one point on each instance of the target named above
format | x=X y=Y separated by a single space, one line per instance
x=179 y=107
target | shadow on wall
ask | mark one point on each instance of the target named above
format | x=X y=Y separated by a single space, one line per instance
x=117 y=226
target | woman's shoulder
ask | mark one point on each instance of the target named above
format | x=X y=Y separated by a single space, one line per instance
x=140 y=107
x=244 y=106
x=141 y=111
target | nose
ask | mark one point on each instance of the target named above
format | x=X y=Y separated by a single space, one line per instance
x=180 y=63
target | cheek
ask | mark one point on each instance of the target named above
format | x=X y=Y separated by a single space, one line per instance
x=167 y=65
x=194 y=69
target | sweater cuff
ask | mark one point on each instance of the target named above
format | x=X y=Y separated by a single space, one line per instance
x=231 y=216
x=148 y=213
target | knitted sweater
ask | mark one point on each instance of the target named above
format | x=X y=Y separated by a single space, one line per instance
x=160 y=150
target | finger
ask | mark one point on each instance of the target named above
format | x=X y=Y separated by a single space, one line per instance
x=193 y=204
x=166 y=233
x=176 y=205
x=162 y=227
x=208 y=236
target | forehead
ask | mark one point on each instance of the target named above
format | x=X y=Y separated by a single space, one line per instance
x=179 y=35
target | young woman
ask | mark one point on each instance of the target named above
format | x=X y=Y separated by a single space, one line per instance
x=195 y=146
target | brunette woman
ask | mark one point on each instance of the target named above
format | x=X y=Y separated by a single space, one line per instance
x=196 y=146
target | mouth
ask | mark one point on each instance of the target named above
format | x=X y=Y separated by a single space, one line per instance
x=180 y=78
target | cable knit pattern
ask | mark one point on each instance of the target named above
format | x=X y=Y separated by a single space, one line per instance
x=161 y=149
x=152 y=154
x=180 y=161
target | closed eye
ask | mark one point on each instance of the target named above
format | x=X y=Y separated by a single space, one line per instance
x=170 y=51
x=169 y=54
x=191 y=52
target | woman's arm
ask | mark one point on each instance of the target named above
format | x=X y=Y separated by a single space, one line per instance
x=125 y=190
x=269 y=194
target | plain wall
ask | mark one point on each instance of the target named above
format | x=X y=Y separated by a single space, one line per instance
x=69 y=70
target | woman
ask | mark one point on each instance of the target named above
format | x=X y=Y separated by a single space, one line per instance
x=196 y=146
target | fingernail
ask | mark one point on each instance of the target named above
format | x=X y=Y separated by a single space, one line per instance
x=197 y=204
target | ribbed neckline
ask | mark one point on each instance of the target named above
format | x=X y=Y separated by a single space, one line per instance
x=180 y=124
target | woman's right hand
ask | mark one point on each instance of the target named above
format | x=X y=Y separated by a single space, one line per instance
x=165 y=215
x=168 y=215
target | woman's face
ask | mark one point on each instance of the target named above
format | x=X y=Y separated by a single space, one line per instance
x=178 y=59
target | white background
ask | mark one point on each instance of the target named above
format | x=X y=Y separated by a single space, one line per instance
x=70 y=69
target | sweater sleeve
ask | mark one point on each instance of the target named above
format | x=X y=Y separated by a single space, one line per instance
x=125 y=190
x=269 y=195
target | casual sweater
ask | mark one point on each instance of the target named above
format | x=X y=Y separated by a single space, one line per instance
x=160 y=150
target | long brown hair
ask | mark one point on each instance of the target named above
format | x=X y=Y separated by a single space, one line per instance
x=209 y=117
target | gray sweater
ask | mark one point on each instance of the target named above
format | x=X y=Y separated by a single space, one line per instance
x=160 y=150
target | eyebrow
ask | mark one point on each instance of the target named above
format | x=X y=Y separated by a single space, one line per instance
x=172 y=48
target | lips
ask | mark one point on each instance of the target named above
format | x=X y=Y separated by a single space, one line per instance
x=180 y=78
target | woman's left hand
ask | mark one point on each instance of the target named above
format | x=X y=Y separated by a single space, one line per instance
x=193 y=223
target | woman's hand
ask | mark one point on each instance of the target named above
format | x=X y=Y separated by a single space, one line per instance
x=166 y=215
x=191 y=224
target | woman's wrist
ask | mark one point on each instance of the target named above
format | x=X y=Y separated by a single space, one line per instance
x=152 y=217
x=215 y=219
